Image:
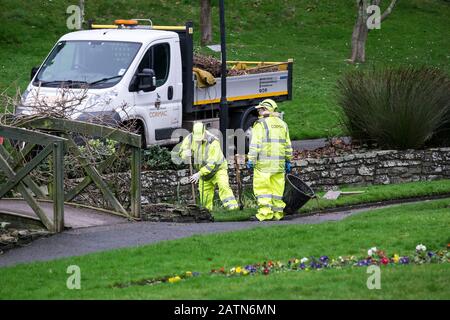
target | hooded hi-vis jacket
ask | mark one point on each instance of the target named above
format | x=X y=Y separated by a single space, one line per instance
x=208 y=155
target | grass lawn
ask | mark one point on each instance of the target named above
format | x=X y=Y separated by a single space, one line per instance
x=315 y=33
x=396 y=230
x=372 y=194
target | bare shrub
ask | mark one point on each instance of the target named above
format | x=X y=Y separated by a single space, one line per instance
x=93 y=150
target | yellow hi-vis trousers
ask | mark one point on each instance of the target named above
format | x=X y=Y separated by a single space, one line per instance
x=268 y=188
x=206 y=190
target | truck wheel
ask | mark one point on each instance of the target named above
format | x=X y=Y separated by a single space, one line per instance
x=247 y=121
x=136 y=127
x=20 y=145
x=141 y=131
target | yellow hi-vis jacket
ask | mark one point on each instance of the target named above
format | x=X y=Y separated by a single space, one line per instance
x=270 y=146
x=208 y=156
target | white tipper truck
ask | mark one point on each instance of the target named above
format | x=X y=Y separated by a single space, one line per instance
x=144 y=73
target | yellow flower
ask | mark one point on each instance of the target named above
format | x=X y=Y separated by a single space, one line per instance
x=396 y=258
x=245 y=272
x=238 y=270
x=296 y=261
x=174 y=279
x=188 y=273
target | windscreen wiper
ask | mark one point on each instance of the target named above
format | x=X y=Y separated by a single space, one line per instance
x=62 y=82
x=104 y=79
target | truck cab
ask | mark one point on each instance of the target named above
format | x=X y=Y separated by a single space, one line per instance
x=115 y=74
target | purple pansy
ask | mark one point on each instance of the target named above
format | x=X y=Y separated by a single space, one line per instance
x=404 y=260
x=364 y=262
x=250 y=268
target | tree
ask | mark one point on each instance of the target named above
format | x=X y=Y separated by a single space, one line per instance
x=361 y=30
x=82 y=13
x=205 y=22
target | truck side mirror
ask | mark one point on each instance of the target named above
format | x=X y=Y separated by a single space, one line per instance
x=146 y=80
x=33 y=72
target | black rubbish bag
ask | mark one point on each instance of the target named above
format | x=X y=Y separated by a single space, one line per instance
x=296 y=194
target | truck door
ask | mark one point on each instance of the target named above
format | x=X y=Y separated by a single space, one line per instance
x=161 y=108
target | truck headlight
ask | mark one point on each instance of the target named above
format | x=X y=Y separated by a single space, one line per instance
x=107 y=118
x=20 y=109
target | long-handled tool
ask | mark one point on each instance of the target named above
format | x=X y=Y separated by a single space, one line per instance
x=191 y=172
x=238 y=179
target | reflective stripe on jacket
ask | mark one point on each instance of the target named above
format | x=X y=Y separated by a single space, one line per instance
x=270 y=145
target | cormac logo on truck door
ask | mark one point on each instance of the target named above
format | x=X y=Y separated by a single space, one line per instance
x=158 y=114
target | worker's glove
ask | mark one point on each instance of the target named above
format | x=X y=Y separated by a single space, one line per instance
x=287 y=167
x=250 y=165
x=194 y=178
x=188 y=153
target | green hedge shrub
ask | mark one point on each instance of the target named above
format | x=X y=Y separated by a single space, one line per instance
x=158 y=158
x=397 y=108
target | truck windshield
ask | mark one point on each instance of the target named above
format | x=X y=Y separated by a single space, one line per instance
x=99 y=64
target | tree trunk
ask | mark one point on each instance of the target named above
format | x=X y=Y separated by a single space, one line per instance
x=205 y=22
x=361 y=31
x=359 y=42
x=82 y=14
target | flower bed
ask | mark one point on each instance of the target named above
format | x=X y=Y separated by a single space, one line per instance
x=374 y=257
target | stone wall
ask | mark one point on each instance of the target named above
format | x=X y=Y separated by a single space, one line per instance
x=18 y=236
x=374 y=167
x=164 y=212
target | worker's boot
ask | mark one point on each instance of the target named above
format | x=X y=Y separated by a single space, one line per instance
x=264 y=217
x=278 y=216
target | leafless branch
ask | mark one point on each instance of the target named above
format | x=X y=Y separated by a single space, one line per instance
x=64 y=105
x=389 y=9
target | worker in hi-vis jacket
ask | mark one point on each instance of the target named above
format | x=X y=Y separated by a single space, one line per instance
x=270 y=156
x=211 y=166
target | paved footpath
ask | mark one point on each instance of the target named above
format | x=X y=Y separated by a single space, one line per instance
x=82 y=241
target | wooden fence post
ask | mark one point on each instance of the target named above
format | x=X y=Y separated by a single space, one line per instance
x=58 y=186
x=135 y=196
